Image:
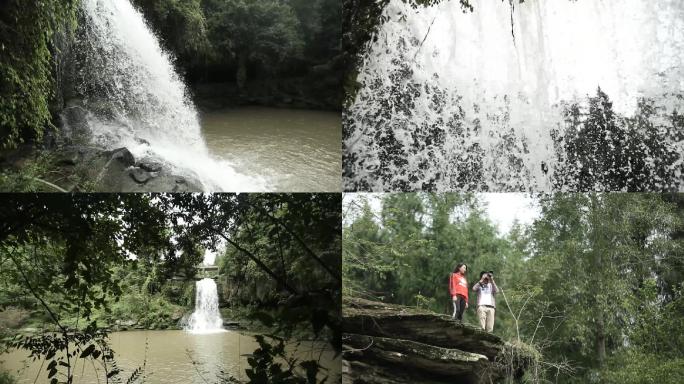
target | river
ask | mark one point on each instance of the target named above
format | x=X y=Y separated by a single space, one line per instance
x=293 y=150
x=170 y=357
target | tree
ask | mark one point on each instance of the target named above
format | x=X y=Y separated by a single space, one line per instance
x=591 y=255
x=292 y=243
x=404 y=253
x=261 y=31
x=181 y=25
x=603 y=151
x=595 y=284
x=367 y=264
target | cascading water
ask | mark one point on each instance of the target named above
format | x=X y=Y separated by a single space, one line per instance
x=206 y=317
x=135 y=99
x=507 y=98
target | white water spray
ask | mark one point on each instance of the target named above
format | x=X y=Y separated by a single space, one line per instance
x=206 y=318
x=137 y=100
x=452 y=91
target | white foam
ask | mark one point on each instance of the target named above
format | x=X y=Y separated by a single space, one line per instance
x=562 y=52
x=206 y=318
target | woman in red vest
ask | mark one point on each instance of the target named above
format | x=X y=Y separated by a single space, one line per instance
x=458 y=288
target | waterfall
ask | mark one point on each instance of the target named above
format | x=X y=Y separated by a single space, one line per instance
x=136 y=99
x=206 y=317
x=501 y=99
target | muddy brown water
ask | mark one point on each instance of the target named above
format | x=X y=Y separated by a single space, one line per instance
x=172 y=357
x=294 y=150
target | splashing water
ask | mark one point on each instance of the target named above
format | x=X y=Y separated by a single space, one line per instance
x=474 y=101
x=206 y=317
x=136 y=99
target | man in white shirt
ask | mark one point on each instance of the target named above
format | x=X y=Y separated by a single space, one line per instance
x=486 y=304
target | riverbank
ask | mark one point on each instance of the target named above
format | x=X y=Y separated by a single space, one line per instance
x=289 y=93
x=160 y=316
x=85 y=168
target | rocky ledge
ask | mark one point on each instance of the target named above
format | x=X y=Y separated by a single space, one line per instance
x=118 y=171
x=78 y=168
x=387 y=343
x=67 y=162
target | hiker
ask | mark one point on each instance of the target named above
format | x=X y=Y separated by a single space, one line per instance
x=486 y=304
x=458 y=288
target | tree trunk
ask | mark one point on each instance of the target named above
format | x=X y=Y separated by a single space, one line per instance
x=600 y=301
x=600 y=339
x=241 y=76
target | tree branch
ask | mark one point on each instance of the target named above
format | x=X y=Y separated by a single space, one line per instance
x=336 y=276
x=34 y=293
x=258 y=262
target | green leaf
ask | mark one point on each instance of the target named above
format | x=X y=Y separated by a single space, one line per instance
x=86 y=352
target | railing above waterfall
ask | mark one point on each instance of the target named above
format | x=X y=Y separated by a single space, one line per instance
x=202 y=271
x=210 y=271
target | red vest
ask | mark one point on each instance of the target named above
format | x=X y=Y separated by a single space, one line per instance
x=458 y=285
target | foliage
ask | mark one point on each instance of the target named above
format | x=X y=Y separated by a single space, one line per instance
x=181 y=25
x=146 y=311
x=266 y=365
x=27 y=84
x=263 y=31
x=633 y=368
x=291 y=265
x=7 y=378
x=239 y=41
x=59 y=249
x=405 y=254
x=41 y=173
x=208 y=38
x=27 y=179
x=606 y=151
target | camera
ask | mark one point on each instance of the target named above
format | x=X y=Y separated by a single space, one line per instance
x=490 y=274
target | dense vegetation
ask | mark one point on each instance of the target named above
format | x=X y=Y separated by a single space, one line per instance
x=603 y=150
x=72 y=266
x=595 y=283
x=28 y=39
x=262 y=47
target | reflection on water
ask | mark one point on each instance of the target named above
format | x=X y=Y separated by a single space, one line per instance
x=297 y=150
x=170 y=357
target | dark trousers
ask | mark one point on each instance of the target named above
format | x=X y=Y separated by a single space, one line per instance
x=459 y=307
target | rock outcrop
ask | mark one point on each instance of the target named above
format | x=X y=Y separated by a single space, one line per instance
x=114 y=170
x=68 y=162
x=386 y=343
x=118 y=171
